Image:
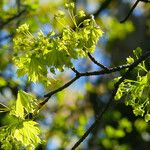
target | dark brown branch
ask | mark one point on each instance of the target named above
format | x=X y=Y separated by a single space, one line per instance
x=62 y=87
x=131 y=10
x=48 y=95
x=43 y=103
x=133 y=7
x=78 y=75
x=96 y=62
x=98 y=119
x=75 y=71
x=102 y=72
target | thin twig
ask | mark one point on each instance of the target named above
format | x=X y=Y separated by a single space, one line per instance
x=98 y=119
x=96 y=62
x=78 y=75
x=102 y=72
x=62 y=87
x=93 y=73
x=131 y=10
x=48 y=95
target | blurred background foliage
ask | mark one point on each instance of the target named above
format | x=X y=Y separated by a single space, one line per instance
x=69 y=113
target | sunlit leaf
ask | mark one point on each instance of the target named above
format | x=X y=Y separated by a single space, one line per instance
x=28 y=134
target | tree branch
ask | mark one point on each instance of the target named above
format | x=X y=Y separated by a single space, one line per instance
x=98 y=119
x=75 y=71
x=48 y=95
x=131 y=10
x=133 y=7
x=62 y=87
x=78 y=75
x=96 y=62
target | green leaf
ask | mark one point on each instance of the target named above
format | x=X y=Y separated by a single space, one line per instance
x=60 y=14
x=28 y=134
x=114 y=133
x=2 y=82
x=137 y=52
x=140 y=125
x=125 y=124
x=136 y=91
x=34 y=55
x=69 y=5
x=23 y=28
x=138 y=111
x=26 y=102
x=147 y=117
x=118 y=94
x=81 y=13
x=19 y=106
x=86 y=22
x=130 y=60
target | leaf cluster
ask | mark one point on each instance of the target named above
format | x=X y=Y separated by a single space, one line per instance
x=137 y=92
x=38 y=55
x=20 y=131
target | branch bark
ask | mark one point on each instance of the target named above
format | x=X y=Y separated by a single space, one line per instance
x=96 y=62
